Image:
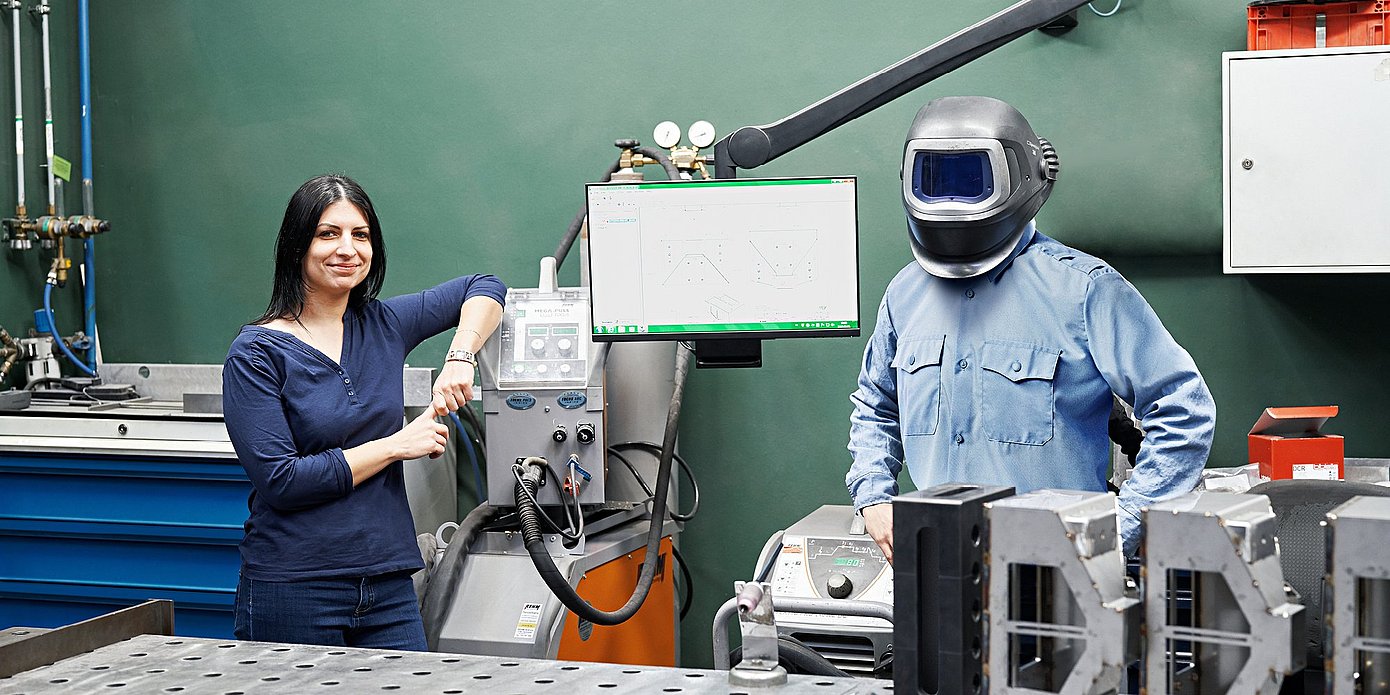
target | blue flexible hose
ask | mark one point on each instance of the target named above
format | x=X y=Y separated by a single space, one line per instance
x=58 y=339
x=472 y=458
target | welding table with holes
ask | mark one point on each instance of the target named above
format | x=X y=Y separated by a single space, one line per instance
x=188 y=665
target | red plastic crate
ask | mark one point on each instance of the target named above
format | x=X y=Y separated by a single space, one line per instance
x=1295 y=26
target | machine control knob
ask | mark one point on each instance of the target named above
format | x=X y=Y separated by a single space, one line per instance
x=839 y=586
x=540 y=368
x=584 y=432
x=538 y=347
x=566 y=346
x=518 y=368
x=565 y=369
x=559 y=435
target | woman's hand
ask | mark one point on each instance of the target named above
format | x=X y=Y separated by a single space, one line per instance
x=454 y=387
x=421 y=437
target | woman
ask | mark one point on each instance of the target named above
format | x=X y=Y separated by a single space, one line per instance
x=312 y=396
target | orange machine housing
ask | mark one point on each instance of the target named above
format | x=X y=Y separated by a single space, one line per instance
x=1289 y=443
x=647 y=638
x=1296 y=25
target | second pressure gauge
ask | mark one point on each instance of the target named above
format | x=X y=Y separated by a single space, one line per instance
x=701 y=134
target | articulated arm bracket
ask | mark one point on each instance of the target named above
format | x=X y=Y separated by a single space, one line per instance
x=754 y=146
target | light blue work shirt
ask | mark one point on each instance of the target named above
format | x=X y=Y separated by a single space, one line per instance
x=1006 y=379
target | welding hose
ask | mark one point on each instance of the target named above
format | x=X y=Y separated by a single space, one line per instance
x=444 y=580
x=796 y=657
x=57 y=339
x=578 y=222
x=535 y=545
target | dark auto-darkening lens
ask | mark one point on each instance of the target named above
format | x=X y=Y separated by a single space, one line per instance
x=956 y=176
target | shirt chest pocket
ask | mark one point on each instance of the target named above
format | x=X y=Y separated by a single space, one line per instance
x=1017 y=392
x=918 y=365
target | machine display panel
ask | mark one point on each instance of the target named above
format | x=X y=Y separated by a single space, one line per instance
x=735 y=258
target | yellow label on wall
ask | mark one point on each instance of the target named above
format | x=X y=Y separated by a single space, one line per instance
x=62 y=168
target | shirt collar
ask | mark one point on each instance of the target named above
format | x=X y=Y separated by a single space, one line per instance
x=1023 y=241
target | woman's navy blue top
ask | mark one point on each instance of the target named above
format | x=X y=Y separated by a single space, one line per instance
x=291 y=411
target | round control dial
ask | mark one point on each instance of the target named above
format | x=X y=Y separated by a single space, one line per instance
x=839 y=586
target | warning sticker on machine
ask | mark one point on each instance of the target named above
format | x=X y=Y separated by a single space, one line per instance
x=528 y=622
x=1315 y=471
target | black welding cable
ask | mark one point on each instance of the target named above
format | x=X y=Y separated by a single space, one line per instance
x=577 y=223
x=444 y=580
x=545 y=565
x=655 y=450
x=685 y=579
x=632 y=469
x=797 y=658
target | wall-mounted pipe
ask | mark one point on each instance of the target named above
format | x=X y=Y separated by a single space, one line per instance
x=20 y=211
x=42 y=10
x=89 y=252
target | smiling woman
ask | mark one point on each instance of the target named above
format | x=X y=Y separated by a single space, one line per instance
x=312 y=397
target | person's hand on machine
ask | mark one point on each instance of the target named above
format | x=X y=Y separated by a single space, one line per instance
x=423 y=436
x=878 y=521
x=454 y=387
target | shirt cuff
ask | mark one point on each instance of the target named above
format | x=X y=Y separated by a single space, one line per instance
x=872 y=489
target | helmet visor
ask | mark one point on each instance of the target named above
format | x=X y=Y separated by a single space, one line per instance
x=959 y=177
x=953 y=178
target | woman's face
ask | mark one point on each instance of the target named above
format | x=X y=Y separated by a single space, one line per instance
x=341 y=252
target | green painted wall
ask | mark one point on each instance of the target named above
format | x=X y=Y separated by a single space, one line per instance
x=474 y=125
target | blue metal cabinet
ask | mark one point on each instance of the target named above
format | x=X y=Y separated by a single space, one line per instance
x=90 y=522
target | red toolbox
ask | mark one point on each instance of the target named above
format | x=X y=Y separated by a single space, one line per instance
x=1295 y=25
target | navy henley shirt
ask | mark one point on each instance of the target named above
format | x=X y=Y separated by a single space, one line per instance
x=291 y=411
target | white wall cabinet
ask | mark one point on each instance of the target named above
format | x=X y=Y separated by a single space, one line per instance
x=1307 y=160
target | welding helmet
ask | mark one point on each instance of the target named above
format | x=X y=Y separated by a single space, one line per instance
x=974 y=174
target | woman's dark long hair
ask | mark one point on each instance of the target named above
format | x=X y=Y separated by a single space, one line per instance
x=297 y=231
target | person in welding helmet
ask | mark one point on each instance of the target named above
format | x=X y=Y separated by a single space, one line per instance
x=996 y=353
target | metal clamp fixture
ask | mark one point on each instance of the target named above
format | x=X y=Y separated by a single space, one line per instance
x=759 y=627
x=1063 y=618
x=940 y=535
x=1219 y=617
x=1358 y=615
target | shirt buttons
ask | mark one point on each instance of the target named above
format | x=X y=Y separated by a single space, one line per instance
x=1016 y=367
x=960 y=439
x=347 y=381
x=970 y=294
x=964 y=364
x=912 y=359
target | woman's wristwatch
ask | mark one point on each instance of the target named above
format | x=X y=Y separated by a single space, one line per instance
x=461 y=356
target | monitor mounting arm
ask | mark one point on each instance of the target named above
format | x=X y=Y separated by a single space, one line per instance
x=753 y=146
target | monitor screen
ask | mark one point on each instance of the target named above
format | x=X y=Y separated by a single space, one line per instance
x=735 y=258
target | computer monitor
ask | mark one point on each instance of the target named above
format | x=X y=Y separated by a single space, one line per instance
x=731 y=259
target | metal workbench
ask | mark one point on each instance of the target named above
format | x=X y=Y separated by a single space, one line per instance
x=188 y=665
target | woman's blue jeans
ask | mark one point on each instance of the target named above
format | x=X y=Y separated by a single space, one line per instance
x=380 y=612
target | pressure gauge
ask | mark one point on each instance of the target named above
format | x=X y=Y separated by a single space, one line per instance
x=701 y=134
x=667 y=134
